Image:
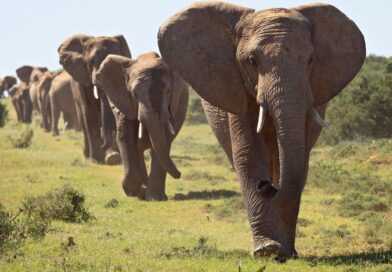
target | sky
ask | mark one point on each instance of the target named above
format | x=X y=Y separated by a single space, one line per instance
x=32 y=30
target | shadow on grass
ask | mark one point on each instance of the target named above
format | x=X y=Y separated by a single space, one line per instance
x=215 y=194
x=376 y=257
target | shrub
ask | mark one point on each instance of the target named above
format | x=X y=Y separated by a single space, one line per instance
x=3 y=114
x=364 y=108
x=23 y=139
x=195 y=113
x=65 y=204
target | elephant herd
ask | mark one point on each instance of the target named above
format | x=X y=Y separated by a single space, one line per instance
x=265 y=78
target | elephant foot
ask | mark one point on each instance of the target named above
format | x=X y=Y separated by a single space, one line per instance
x=156 y=197
x=113 y=158
x=142 y=195
x=55 y=133
x=271 y=248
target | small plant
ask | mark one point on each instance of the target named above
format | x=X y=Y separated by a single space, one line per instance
x=65 y=204
x=25 y=224
x=22 y=140
x=7 y=228
x=113 y=203
x=3 y=114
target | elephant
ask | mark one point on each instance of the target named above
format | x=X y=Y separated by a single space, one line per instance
x=149 y=102
x=20 y=93
x=36 y=76
x=6 y=83
x=55 y=96
x=21 y=101
x=81 y=56
x=273 y=71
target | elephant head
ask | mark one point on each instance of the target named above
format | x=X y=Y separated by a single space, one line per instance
x=142 y=91
x=81 y=55
x=6 y=83
x=287 y=62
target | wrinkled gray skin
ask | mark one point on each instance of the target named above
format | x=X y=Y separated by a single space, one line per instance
x=6 y=83
x=55 y=97
x=81 y=56
x=290 y=63
x=145 y=92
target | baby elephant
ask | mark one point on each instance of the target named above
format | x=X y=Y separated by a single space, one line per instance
x=149 y=102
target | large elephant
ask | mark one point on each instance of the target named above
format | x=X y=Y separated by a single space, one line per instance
x=55 y=97
x=81 y=56
x=277 y=67
x=149 y=102
x=6 y=83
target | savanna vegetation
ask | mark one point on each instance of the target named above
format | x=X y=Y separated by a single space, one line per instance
x=60 y=212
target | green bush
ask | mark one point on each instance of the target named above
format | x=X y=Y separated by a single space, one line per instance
x=22 y=139
x=3 y=114
x=65 y=204
x=364 y=108
x=195 y=113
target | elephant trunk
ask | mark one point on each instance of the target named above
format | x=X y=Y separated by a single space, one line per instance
x=289 y=110
x=289 y=104
x=161 y=145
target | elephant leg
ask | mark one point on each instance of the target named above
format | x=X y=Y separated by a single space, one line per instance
x=143 y=171
x=91 y=113
x=156 y=181
x=55 y=116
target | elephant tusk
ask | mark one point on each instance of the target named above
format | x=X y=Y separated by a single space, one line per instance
x=260 y=121
x=140 y=132
x=96 y=92
x=319 y=119
x=65 y=126
x=170 y=127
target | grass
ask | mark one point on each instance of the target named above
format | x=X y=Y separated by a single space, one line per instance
x=345 y=219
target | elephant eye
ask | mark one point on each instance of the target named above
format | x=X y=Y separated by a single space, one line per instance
x=252 y=60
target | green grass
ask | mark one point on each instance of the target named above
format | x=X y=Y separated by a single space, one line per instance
x=345 y=220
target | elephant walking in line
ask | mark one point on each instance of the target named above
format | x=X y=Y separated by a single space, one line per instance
x=149 y=102
x=81 y=56
x=6 y=84
x=56 y=96
x=20 y=93
x=36 y=76
x=273 y=71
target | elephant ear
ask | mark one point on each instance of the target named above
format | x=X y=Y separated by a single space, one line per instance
x=71 y=58
x=111 y=78
x=339 y=50
x=9 y=81
x=24 y=73
x=199 y=43
x=123 y=46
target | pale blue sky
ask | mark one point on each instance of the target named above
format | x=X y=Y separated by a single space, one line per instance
x=31 y=30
